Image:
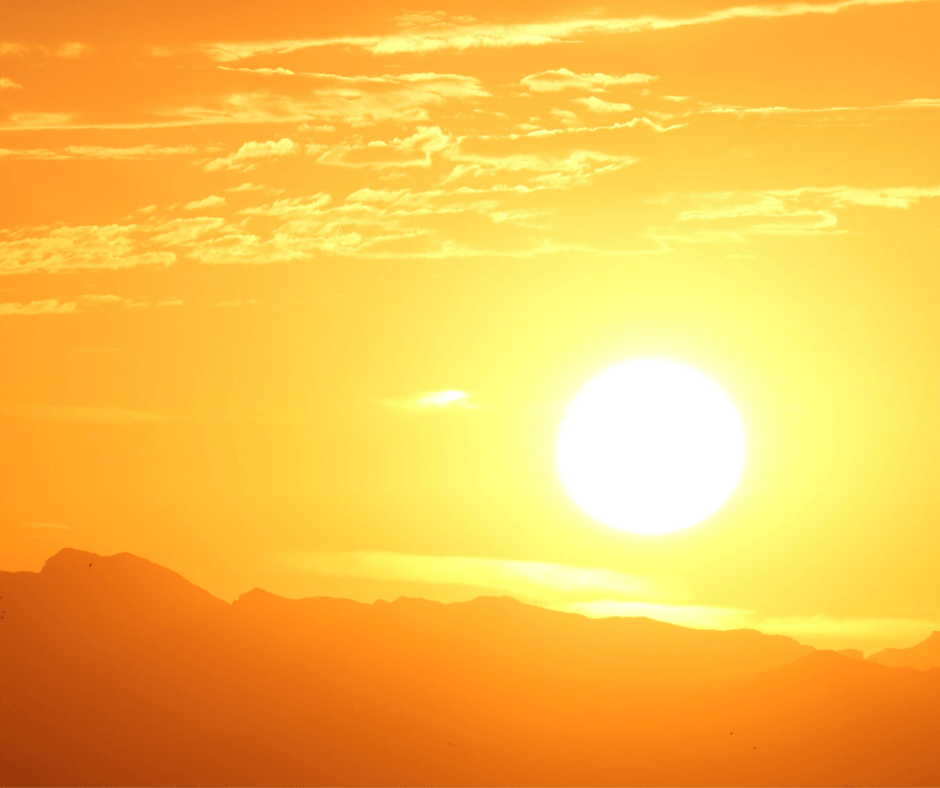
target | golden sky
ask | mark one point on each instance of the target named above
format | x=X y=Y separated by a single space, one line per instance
x=296 y=294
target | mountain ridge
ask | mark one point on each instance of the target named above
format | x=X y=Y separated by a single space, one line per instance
x=125 y=673
x=922 y=656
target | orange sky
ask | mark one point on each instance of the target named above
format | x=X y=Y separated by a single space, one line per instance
x=239 y=245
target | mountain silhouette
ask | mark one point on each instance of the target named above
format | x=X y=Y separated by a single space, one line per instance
x=923 y=656
x=116 y=671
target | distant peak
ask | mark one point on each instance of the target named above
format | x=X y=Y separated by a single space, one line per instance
x=124 y=574
x=69 y=556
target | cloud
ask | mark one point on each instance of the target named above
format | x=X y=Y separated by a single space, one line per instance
x=550 y=170
x=850 y=628
x=91 y=415
x=414 y=151
x=595 y=104
x=248 y=186
x=370 y=222
x=602 y=593
x=207 y=202
x=174 y=232
x=567 y=117
x=97 y=152
x=290 y=229
x=31 y=153
x=448 y=399
x=529 y=579
x=695 y=616
x=739 y=111
x=39 y=120
x=248 y=156
x=47 y=307
x=8 y=84
x=70 y=248
x=892 y=197
x=292 y=207
x=45 y=526
x=920 y=102
x=440 y=32
x=73 y=49
x=378 y=196
x=357 y=101
x=737 y=216
x=819 y=630
x=563 y=79
x=318 y=104
x=136 y=152
x=575 y=126
x=9 y=48
x=53 y=306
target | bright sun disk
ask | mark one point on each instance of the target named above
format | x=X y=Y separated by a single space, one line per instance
x=651 y=446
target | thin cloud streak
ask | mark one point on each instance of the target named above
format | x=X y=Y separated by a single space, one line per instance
x=49 y=306
x=459 y=35
x=45 y=526
x=431 y=401
x=694 y=616
x=599 y=593
x=529 y=579
x=803 y=628
x=96 y=152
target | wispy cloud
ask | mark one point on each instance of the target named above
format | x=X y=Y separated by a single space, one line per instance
x=249 y=155
x=529 y=579
x=212 y=201
x=53 y=306
x=595 y=104
x=552 y=170
x=65 y=248
x=422 y=33
x=563 y=79
x=603 y=593
x=96 y=152
x=737 y=216
x=447 y=399
x=248 y=186
x=44 y=526
x=8 y=84
x=49 y=306
x=781 y=111
x=695 y=616
x=358 y=101
x=809 y=627
x=73 y=49
x=819 y=630
x=415 y=150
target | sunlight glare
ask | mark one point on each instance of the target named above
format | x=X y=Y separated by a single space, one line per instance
x=651 y=446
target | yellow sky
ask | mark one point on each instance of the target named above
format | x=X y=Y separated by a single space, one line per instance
x=296 y=297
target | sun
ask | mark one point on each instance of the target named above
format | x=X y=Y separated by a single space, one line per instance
x=651 y=446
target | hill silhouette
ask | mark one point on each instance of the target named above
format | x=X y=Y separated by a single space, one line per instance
x=116 y=671
x=923 y=656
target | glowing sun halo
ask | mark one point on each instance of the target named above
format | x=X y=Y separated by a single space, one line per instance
x=651 y=446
